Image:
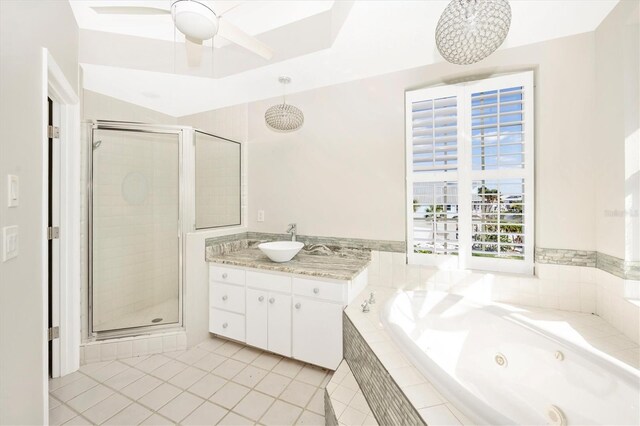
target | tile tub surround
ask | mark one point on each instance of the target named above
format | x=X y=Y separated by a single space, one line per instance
x=330 y=418
x=388 y=402
x=126 y=347
x=368 y=346
x=216 y=382
x=570 y=288
x=345 y=404
x=565 y=257
x=614 y=265
x=618 y=267
x=333 y=262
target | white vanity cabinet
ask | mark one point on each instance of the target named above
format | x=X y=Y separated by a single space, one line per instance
x=279 y=324
x=227 y=302
x=257 y=328
x=268 y=320
x=316 y=338
x=288 y=314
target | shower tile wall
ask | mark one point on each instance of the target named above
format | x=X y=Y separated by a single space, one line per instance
x=135 y=250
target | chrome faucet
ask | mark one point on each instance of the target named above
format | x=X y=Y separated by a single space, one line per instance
x=365 y=306
x=292 y=229
x=372 y=298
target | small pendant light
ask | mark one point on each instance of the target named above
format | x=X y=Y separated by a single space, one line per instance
x=284 y=117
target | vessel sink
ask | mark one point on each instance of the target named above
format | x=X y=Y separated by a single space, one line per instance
x=281 y=251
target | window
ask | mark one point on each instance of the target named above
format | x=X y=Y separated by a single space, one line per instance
x=217 y=185
x=470 y=175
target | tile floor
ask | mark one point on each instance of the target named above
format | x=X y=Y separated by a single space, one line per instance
x=216 y=382
x=349 y=404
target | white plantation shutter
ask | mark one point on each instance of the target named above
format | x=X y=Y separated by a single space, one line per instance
x=435 y=141
x=498 y=219
x=497 y=129
x=470 y=174
x=435 y=217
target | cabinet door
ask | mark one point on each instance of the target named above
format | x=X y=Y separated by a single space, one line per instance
x=256 y=318
x=279 y=324
x=317 y=332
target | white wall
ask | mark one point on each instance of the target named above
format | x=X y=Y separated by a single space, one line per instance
x=230 y=123
x=25 y=28
x=342 y=173
x=618 y=133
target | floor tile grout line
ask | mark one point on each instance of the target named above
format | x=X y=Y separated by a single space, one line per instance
x=145 y=373
x=157 y=411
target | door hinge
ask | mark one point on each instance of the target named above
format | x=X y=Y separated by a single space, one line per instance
x=53 y=233
x=54 y=333
x=53 y=132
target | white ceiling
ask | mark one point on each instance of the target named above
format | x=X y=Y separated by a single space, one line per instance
x=377 y=37
x=253 y=17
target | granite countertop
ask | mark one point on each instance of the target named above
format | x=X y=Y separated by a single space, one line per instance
x=333 y=262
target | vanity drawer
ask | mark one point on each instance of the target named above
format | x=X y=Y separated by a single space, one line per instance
x=270 y=282
x=334 y=292
x=229 y=297
x=226 y=275
x=226 y=324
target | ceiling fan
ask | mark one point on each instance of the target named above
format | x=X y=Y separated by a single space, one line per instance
x=198 y=22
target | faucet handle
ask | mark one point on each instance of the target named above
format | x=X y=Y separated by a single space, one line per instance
x=365 y=306
x=372 y=298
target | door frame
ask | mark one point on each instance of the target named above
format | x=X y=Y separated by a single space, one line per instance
x=53 y=267
x=56 y=86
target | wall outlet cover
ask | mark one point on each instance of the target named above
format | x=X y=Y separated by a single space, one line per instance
x=260 y=215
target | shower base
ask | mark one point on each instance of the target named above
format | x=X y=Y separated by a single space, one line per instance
x=165 y=312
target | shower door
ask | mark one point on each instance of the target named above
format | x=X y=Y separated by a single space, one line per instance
x=135 y=257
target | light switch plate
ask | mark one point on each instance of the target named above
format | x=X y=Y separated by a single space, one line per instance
x=9 y=242
x=13 y=191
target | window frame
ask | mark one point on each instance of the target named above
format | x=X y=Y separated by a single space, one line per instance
x=464 y=175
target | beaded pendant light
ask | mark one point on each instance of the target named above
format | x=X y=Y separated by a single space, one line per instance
x=470 y=30
x=284 y=117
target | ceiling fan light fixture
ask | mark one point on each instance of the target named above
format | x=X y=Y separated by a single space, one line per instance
x=194 y=19
x=284 y=117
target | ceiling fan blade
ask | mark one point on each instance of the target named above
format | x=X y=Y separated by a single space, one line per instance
x=235 y=35
x=194 y=52
x=133 y=10
x=224 y=7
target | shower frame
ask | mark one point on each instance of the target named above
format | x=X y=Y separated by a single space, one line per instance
x=183 y=133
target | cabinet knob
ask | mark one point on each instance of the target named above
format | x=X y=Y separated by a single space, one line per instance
x=316 y=290
x=260 y=299
x=225 y=325
x=272 y=300
x=225 y=297
x=298 y=305
x=224 y=276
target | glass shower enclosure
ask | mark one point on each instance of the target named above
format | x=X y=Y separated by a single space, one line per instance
x=135 y=247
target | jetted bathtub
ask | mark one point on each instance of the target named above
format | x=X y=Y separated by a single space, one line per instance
x=499 y=368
